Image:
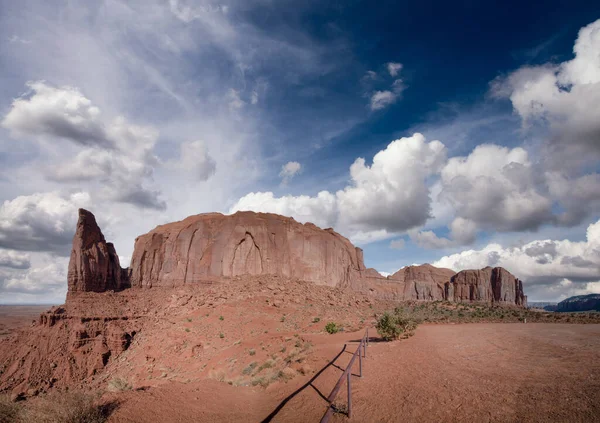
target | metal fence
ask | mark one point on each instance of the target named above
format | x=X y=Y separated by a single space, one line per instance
x=361 y=352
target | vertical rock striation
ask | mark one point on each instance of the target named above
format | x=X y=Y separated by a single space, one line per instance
x=490 y=285
x=94 y=264
x=246 y=243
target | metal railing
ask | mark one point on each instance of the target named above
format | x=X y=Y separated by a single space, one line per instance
x=361 y=352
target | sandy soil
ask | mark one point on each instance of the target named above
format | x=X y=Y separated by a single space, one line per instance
x=445 y=373
x=14 y=317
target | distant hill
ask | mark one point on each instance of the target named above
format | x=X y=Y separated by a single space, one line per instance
x=580 y=303
x=541 y=304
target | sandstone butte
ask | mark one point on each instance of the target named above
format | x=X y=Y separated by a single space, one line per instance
x=208 y=246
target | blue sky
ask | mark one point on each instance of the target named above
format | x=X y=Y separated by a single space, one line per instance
x=463 y=135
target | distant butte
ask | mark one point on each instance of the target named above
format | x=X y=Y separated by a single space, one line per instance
x=213 y=245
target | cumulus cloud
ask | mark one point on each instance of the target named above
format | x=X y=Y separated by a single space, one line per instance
x=47 y=277
x=320 y=210
x=544 y=265
x=563 y=97
x=14 y=259
x=494 y=187
x=40 y=222
x=60 y=112
x=390 y=195
x=115 y=153
x=394 y=68
x=289 y=170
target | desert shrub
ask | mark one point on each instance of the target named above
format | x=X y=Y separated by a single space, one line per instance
x=391 y=325
x=331 y=328
x=118 y=384
x=387 y=327
x=316 y=320
x=248 y=370
x=266 y=365
x=9 y=411
x=221 y=318
x=72 y=407
x=252 y=352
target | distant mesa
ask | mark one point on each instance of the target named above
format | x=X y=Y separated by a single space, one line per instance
x=590 y=302
x=212 y=245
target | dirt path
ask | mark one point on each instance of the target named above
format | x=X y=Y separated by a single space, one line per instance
x=445 y=373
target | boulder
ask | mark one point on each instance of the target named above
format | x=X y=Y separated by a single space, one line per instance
x=94 y=264
x=213 y=245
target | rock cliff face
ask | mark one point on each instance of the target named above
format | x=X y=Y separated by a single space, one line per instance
x=246 y=243
x=423 y=282
x=212 y=245
x=491 y=285
x=94 y=264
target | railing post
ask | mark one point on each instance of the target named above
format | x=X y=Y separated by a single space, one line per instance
x=349 y=396
x=359 y=362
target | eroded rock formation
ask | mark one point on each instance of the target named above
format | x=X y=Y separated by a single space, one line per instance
x=94 y=264
x=490 y=285
x=423 y=282
x=246 y=243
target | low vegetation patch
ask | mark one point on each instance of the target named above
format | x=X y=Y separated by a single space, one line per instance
x=391 y=325
x=450 y=312
x=68 y=407
x=332 y=328
x=118 y=384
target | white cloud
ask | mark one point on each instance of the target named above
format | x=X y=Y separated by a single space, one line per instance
x=563 y=97
x=41 y=222
x=388 y=196
x=394 y=68
x=60 y=112
x=382 y=99
x=542 y=264
x=196 y=159
x=392 y=193
x=289 y=170
x=494 y=187
x=320 y=210
x=44 y=282
x=117 y=154
x=14 y=259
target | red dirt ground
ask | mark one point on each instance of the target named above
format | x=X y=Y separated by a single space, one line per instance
x=445 y=373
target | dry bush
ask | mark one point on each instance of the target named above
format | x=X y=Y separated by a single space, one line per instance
x=118 y=384
x=71 y=407
x=9 y=411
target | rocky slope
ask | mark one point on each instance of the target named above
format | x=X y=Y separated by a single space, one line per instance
x=580 y=303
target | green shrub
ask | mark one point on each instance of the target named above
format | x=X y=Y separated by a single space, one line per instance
x=221 y=318
x=391 y=325
x=332 y=328
x=221 y=335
